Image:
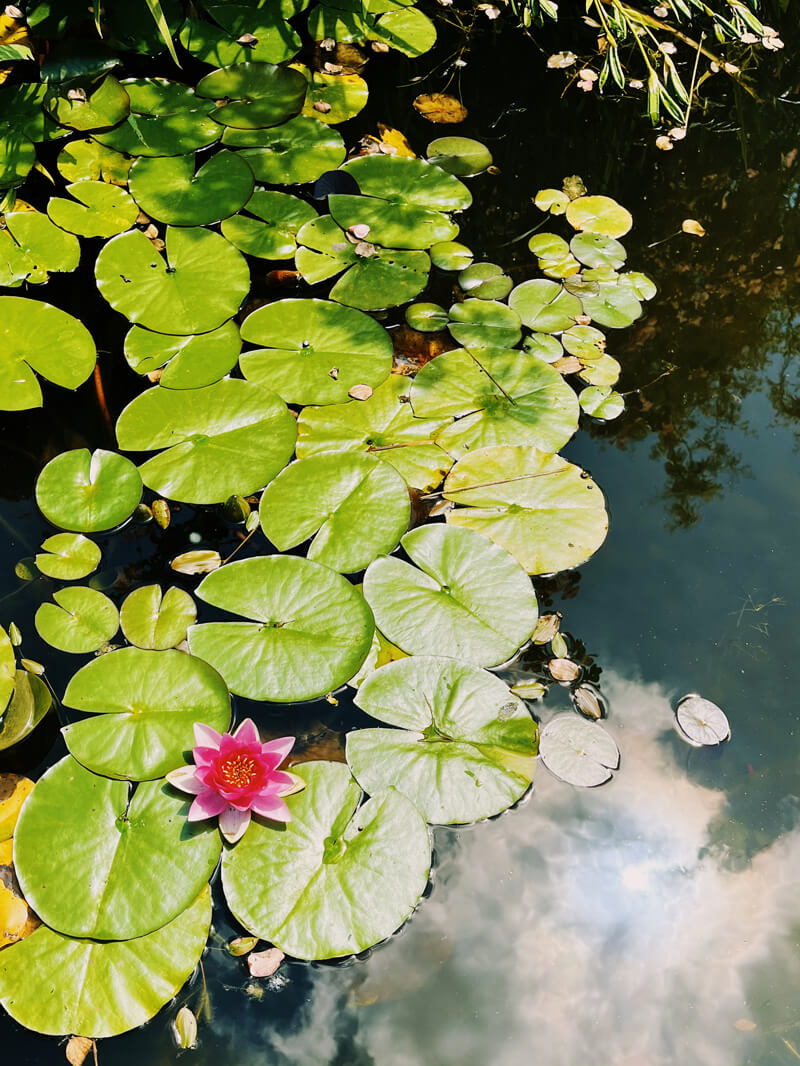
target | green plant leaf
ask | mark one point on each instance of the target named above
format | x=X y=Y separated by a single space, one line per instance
x=17 y=157
x=31 y=246
x=406 y=30
x=450 y=255
x=169 y=190
x=544 y=347
x=81 y=620
x=612 y=305
x=427 y=318
x=333 y=98
x=88 y=491
x=98 y=210
x=400 y=179
x=8 y=668
x=258 y=94
x=599 y=214
x=299 y=150
x=461 y=156
x=642 y=287
x=310 y=629
x=601 y=401
x=88 y=160
x=190 y=362
x=274 y=39
x=102 y=105
x=68 y=556
x=337 y=878
x=545 y=306
x=152 y=620
x=595 y=250
x=578 y=751
x=269 y=227
x=484 y=324
x=29 y=704
x=166 y=118
x=392 y=224
x=485 y=281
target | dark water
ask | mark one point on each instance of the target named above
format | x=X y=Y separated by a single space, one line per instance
x=655 y=920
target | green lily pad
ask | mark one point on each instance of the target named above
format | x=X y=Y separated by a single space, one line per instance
x=168 y=189
x=37 y=337
x=599 y=214
x=274 y=40
x=98 y=210
x=545 y=306
x=344 y=23
x=68 y=556
x=337 y=878
x=612 y=305
x=393 y=225
x=544 y=347
x=147 y=862
x=459 y=155
x=595 y=250
x=469 y=599
x=310 y=629
x=601 y=401
x=29 y=704
x=155 y=621
x=8 y=667
x=548 y=513
x=81 y=620
x=272 y=232
x=578 y=751
x=384 y=426
x=406 y=30
x=297 y=151
x=450 y=255
x=485 y=281
x=227 y=439
x=402 y=180
x=99 y=107
x=135 y=26
x=355 y=507
x=642 y=287
x=602 y=370
x=484 y=324
x=31 y=246
x=315 y=351
x=585 y=342
x=548 y=246
x=143 y=707
x=553 y=200
x=427 y=318
x=465 y=747
x=259 y=94
x=88 y=491
x=189 y=362
x=497 y=396
x=198 y=287
x=58 y=985
x=17 y=157
x=166 y=118
x=333 y=98
x=88 y=160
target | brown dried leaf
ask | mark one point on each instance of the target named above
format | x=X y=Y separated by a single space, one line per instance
x=241 y=945
x=396 y=141
x=360 y=392
x=359 y=231
x=563 y=669
x=264 y=963
x=413 y=349
x=161 y=513
x=440 y=108
x=365 y=250
x=587 y=703
x=692 y=226
x=322 y=107
x=201 y=561
x=78 y=1047
x=247 y=39
x=78 y=95
x=568 y=364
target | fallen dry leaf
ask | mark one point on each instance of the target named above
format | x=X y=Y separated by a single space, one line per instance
x=360 y=392
x=396 y=140
x=440 y=108
x=78 y=1047
x=563 y=669
x=14 y=790
x=691 y=225
x=241 y=945
x=17 y=920
x=744 y=1025
x=161 y=513
x=568 y=364
x=202 y=561
x=546 y=628
x=264 y=963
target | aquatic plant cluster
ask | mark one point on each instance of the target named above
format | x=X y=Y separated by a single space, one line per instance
x=178 y=194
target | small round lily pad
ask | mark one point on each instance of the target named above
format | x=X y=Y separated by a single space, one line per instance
x=169 y=189
x=68 y=556
x=257 y=94
x=189 y=361
x=296 y=151
x=97 y=210
x=459 y=155
x=578 y=751
x=81 y=620
x=88 y=491
x=150 y=619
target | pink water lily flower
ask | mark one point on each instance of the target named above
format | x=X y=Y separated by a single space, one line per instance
x=235 y=774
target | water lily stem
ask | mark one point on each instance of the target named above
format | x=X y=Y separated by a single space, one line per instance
x=239 y=546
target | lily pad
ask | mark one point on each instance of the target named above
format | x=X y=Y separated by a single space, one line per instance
x=268 y=224
x=407 y=30
x=167 y=118
x=333 y=98
x=68 y=556
x=459 y=155
x=270 y=38
x=88 y=160
x=147 y=862
x=484 y=324
x=392 y=224
x=37 y=337
x=599 y=214
x=601 y=401
x=602 y=370
x=29 y=704
x=169 y=190
x=315 y=351
x=450 y=255
x=258 y=94
x=402 y=180
x=8 y=667
x=297 y=151
x=547 y=512
x=32 y=247
x=58 y=985
x=81 y=620
x=469 y=599
x=642 y=287
x=545 y=306
x=355 y=507
x=465 y=747
x=544 y=347
x=88 y=491
x=17 y=157
x=427 y=318
x=92 y=108
x=384 y=426
x=701 y=721
x=578 y=751
x=585 y=342
x=337 y=878
x=485 y=281
x=612 y=304
x=310 y=629
x=198 y=287
x=153 y=620
x=143 y=707
x=98 y=210
x=226 y=439
x=595 y=250
x=190 y=362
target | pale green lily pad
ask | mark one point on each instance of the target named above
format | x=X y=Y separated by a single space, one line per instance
x=227 y=439
x=553 y=200
x=601 y=401
x=585 y=342
x=218 y=45
x=88 y=491
x=461 y=156
x=469 y=599
x=578 y=751
x=599 y=214
x=297 y=151
x=602 y=370
x=81 y=620
x=642 y=287
x=143 y=706
x=427 y=318
x=30 y=702
x=392 y=224
x=465 y=747
x=98 y=210
x=384 y=426
x=147 y=862
x=596 y=250
x=355 y=507
x=341 y=22
x=267 y=225
x=548 y=246
x=31 y=247
x=168 y=189
x=58 y=985
x=485 y=281
x=104 y=105
x=310 y=629
x=8 y=667
x=258 y=94
x=406 y=30
x=400 y=179
x=450 y=255
x=198 y=287
x=167 y=118
x=547 y=512
x=37 y=337
x=612 y=305
x=545 y=306
x=155 y=621
x=484 y=324
x=88 y=160
x=190 y=362
x=497 y=396
x=333 y=98
x=68 y=556
x=315 y=351
x=337 y=878
x=544 y=347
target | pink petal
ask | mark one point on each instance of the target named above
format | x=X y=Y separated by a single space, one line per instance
x=185 y=780
x=282 y=746
x=206 y=805
x=272 y=807
x=280 y=781
x=247 y=733
x=205 y=736
x=227 y=745
x=233 y=823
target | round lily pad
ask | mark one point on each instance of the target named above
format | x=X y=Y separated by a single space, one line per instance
x=189 y=362
x=68 y=556
x=88 y=160
x=17 y=157
x=168 y=189
x=258 y=94
x=585 y=342
x=701 y=721
x=400 y=179
x=333 y=98
x=465 y=747
x=547 y=512
x=596 y=250
x=166 y=119
x=88 y=491
x=642 y=287
x=267 y=225
x=8 y=667
x=612 y=305
x=147 y=862
x=355 y=507
x=406 y=29
x=602 y=370
x=58 y=985
x=310 y=629
x=150 y=619
x=226 y=439
x=315 y=351
x=98 y=210
x=459 y=155
x=485 y=281
x=450 y=255
x=601 y=401
x=544 y=347
x=30 y=702
x=357 y=872
x=484 y=324
x=299 y=150
x=198 y=287
x=578 y=751
x=548 y=246
x=95 y=108
x=143 y=707
x=32 y=247
x=469 y=599
x=392 y=224
x=545 y=306
x=427 y=318
x=81 y=620
x=269 y=38
x=599 y=214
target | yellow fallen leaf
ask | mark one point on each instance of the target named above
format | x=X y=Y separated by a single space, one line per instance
x=7 y=852
x=17 y=920
x=14 y=790
x=396 y=140
x=14 y=31
x=78 y=1047
x=691 y=225
x=201 y=561
x=440 y=107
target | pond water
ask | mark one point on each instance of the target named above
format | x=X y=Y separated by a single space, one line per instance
x=654 y=920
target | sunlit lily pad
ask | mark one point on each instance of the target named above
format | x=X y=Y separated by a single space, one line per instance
x=355 y=507
x=392 y=224
x=465 y=746
x=32 y=247
x=81 y=620
x=599 y=214
x=58 y=985
x=484 y=324
x=143 y=706
x=88 y=160
x=315 y=351
x=342 y=22
x=337 y=878
x=602 y=370
x=17 y=157
x=30 y=702
x=544 y=347
x=8 y=667
x=545 y=306
x=595 y=250
x=310 y=629
x=485 y=281
x=226 y=439
x=98 y=210
x=427 y=318
x=701 y=721
x=548 y=246
x=407 y=30
x=548 y=513
x=450 y=255
x=166 y=119
x=68 y=556
x=189 y=362
x=297 y=151
x=258 y=94
x=601 y=401
x=642 y=287
x=333 y=98
x=578 y=751
x=612 y=305
x=150 y=619
x=399 y=179
x=88 y=491
x=459 y=155
x=99 y=107
x=267 y=225
x=219 y=43
x=169 y=190
x=469 y=599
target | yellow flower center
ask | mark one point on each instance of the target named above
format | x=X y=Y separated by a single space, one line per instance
x=238 y=770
